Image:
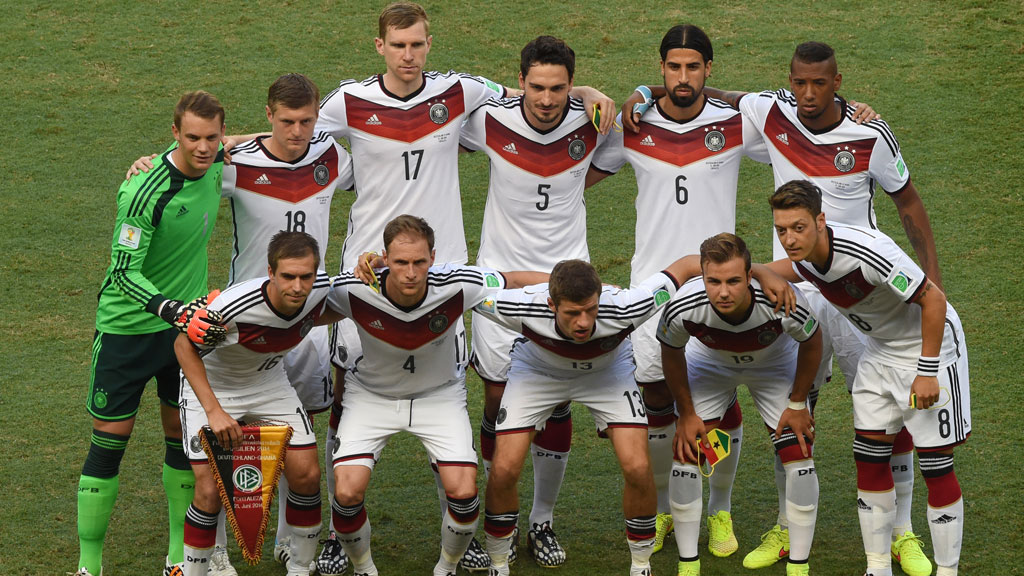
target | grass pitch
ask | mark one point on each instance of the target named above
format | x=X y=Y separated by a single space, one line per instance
x=88 y=87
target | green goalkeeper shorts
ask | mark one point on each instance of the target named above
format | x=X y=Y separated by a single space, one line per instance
x=123 y=364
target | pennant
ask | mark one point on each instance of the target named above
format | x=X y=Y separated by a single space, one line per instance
x=247 y=480
x=719 y=448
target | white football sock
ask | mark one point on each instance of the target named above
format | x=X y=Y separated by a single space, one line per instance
x=548 y=472
x=685 y=492
x=720 y=483
x=801 y=507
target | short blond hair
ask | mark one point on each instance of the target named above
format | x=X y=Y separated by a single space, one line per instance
x=401 y=15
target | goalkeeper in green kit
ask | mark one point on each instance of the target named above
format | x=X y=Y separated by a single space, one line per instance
x=156 y=280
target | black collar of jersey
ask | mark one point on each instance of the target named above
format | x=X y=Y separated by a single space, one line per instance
x=259 y=142
x=831 y=252
x=827 y=129
x=750 y=309
x=176 y=173
x=569 y=339
x=266 y=299
x=384 y=291
x=522 y=110
x=665 y=115
x=413 y=94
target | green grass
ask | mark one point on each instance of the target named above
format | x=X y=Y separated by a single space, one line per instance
x=88 y=87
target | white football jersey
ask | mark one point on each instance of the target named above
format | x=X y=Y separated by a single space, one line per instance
x=526 y=311
x=269 y=195
x=405 y=152
x=251 y=357
x=845 y=161
x=686 y=175
x=691 y=320
x=535 y=215
x=872 y=282
x=409 y=352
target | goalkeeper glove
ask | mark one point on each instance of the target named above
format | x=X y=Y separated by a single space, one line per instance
x=207 y=328
x=179 y=314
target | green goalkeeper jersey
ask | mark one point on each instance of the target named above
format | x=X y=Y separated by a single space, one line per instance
x=164 y=222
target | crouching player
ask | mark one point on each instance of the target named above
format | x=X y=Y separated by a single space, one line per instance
x=243 y=378
x=410 y=376
x=913 y=371
x=576 y=349
x=715 y=335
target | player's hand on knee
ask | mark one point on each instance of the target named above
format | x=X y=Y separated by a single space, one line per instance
x=801 y=423
x=143 y=164
x=924 y=392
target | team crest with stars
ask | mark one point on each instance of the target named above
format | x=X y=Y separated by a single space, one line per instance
x=439 y=113
x=767 y=337
x=307 y=325
x=845 y=160
x=321 y=175
x=714 y=140
x=195 y=444
x=577 y=149
x=853 y=291
x=609 y=344
x=438 y=323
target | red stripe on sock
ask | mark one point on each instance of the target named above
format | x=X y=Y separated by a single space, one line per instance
x=299 y=517
x=556 y=436
x=874 y=476
x=348 y=524
x=903 y=443
x=200 y=538
x=943 y=490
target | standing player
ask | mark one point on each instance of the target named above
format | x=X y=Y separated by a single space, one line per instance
x=543 y=150
x=811 y=136
x=686 y=153
x=286 y=181
x=243 y=378
x=403 y=129
x=576 y=349
x=409 y=379
x=157 y=262
x=812 y=133
x=915 y=351
x=718 y=333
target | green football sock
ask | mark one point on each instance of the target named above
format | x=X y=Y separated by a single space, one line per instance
x=179 y=485
x=96 y=497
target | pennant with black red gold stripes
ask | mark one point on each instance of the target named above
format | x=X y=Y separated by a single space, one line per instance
x=247 y=480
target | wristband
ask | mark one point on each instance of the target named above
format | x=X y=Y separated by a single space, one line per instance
x=641 y=107
x=928 y=366
x=797 y=405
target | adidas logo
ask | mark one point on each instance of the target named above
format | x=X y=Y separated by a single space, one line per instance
x=944 y=519
x=182 y=211
x=376 y=324
x=260 y=340
x=647 y=141
x=862 y=505
x=263 y=179
x=784 y=138
x=511 y=148
x=373 y=121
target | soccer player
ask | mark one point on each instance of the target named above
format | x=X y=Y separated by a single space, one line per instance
x=543 y=151
x=576 y=349
x=403 y=129
x=686 y=155
x=286 y=181
x=813 y=134
x=409 y=378
x=243 y=378
x=157 y=262
x=722 y=331
x=913 y=373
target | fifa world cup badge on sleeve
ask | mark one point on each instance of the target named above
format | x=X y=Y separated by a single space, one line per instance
x=719 y=447
x=247 y=480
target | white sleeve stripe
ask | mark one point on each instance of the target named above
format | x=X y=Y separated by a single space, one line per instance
x=868 y=257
